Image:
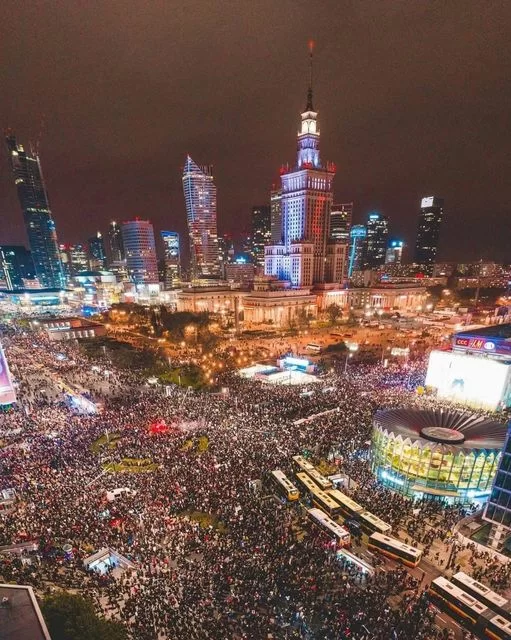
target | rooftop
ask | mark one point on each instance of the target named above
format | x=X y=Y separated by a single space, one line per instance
x=20 y=616
x=502 y=331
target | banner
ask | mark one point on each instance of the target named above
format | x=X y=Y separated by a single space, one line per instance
x=7 y=394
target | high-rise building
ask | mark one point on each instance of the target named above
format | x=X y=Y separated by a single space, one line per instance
x=115 y=242
x=97 y=252
x=341 y=216
x=75 y=259
x=276 y=215
x=16 y=266
x=172 y=259
x=498 y=507
x=358 y=234
x=376 y=241
x=200 y=199
x=394 y=253
x=140 y=249
x=306 y=204
x=39 y=224
x=261 y=232
x=428 y=232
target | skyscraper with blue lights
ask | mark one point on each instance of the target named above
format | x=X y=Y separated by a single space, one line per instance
x=39 y=224
x=172 y=258
x=358 y=235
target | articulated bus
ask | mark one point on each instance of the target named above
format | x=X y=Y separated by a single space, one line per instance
x=483 y=593
x=323 y=483
x=334 y=530
x=371 y=524
x=450 y=597
x=302 y=464
x=349 y=508
x=284 y=486
x=395 y=549
x=319 y=498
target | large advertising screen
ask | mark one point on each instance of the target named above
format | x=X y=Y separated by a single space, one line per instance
x=471 y=380
x=7 y=394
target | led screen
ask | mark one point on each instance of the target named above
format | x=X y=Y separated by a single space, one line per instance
x=471 y=380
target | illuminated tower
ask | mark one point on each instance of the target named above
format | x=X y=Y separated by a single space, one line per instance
x=40 y=226
x=306 y=203
x=115 y=242
x=358 y=235
x=200 y=199
x=172 y=258
x=428 y=232
x=138 y=242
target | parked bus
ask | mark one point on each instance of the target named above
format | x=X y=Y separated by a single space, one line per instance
x=349 y=508
x=395 y=549
x=284 y=486
x=371 y=524
x=497 y=628
x=302 y=464
x=313 y=347
x=450 y=597
x=483 y=593
x=320 y=499
x=323 y=483
x=334 y=530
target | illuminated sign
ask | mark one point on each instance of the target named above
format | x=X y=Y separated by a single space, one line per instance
x=296 y=362
x=427 y=202
x=482 y=344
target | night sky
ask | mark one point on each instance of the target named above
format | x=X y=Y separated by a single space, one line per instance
x=413 y=98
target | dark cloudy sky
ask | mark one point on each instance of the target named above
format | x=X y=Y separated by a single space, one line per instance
x=414 y=99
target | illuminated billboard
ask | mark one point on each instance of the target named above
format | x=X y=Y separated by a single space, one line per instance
x=427 y=202
x=7 y=394
x=471 y=380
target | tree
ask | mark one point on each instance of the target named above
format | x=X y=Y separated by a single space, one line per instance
x=72 y=617
x=334 y=312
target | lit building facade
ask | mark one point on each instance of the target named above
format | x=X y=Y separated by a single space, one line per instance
x=376 y=241
x=75 y=259
x=39 y=223
x=498 y=508
x=428 y=232
x=97 y=252
x=261 y=232
x=276 y=215
x=358 y=234
x=306 y=203
x=436 y=454
x=139 y=245
x=394 y=253
x=172 y=259
x=201 y=210
x=16 y=265
x=115 y=245
x=340 y=222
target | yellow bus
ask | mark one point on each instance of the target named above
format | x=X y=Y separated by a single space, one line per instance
x=395 y=549
x=349 y=508
x=334 y=530
x=319 y=498
x=284 y=486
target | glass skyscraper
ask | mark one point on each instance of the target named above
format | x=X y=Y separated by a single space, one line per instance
x=340 y=222
x=200 y=199
x=97 y=252
x=498 y=508
x=141 y=261
x=261 y=232
x=172 y=258
x=376 y=240
x=16 y=265
x=428 y=232
x=358 y=235
x=115 y=242
x=40 y=226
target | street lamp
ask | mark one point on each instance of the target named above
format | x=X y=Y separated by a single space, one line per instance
x=351 y=349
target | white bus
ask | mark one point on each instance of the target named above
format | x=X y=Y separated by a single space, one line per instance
x=334 y=530
x=483 y=593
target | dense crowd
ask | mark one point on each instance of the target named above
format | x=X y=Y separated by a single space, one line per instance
x=216 y=556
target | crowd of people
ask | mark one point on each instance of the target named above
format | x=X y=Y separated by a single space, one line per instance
x=216 y=555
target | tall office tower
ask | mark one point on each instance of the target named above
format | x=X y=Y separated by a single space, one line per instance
x=40 y=226
x=276 y=215
x=172 y=259
x=428 y=232
x=200 y=199
x=358 y=234
x=140 y=249
x=115 y=242
x=394 y=253
x=17 y=265
x=75 y=259
x=261 y=232
x=340 y=221
x=306 y=204
x=498 y=507
x=376 y=241
x=97 y=252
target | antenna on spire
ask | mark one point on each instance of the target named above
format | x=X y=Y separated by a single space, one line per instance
x=309 y=106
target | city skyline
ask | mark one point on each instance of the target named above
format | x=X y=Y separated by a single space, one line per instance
x=430 y=140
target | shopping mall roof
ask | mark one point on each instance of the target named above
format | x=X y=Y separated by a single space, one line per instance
x=497 y=331
x=445 y=427
x=20 y=616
